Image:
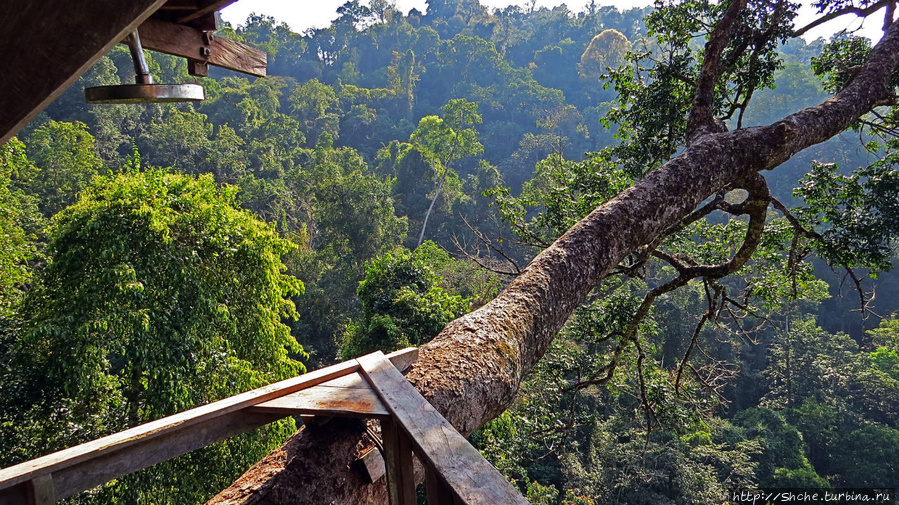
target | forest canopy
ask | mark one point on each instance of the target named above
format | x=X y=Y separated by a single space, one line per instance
x=686 y=275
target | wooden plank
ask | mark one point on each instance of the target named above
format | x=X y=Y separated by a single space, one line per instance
x=103 y=459
x=398 y=462
x=180 y=5
x=46 y=46
x=373 y=463
x=188 y=42
x=197 y=68
x=155 y=429
x=348 y=396
x=403 y=358
x=148 y=452
x=90 y=473
x=41 y=490
x=438 y=492
x=472 y=479
x=209 y=8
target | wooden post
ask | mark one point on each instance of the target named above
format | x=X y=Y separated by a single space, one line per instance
x=438 y=492
x=41 y=490
x=398 y=459
x=472 y=479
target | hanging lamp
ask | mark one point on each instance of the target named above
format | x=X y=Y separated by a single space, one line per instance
x=144 y=91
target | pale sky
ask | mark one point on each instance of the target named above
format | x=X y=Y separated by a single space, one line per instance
x=303 y=14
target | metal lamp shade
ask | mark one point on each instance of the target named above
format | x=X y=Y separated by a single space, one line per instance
x=145 y=93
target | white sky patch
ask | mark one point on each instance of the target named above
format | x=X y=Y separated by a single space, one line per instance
x=302 y=15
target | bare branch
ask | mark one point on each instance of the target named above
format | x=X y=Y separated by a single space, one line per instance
x=680 y=370
x=863 y=298
x=889 y=15
x=858 y=11
x=644 y=398
x=792 y=219
x=490 y=245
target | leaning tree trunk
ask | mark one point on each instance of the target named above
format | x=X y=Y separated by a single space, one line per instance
x=473 y=369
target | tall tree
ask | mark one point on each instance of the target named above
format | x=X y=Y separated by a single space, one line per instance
x=159 y=295
x=67 y=158
x=446 y=139
x=15 y=247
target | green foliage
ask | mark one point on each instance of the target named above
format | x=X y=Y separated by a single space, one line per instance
x=15 y=213
x=808 y=362
x=781 y=461
x=447 y=105
x=67 y=158
x=561 y=193
x=312 y=104
x=837 y=60
x=159 y=295
x=451 y=137
x=344 y=216
x=870 y=457
x=656 y=92
x=858 y=213
x=403 y=303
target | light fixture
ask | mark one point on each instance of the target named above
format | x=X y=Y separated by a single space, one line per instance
x=144 y=91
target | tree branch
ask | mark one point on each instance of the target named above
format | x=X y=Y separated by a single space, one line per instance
x=701 y=119
x=858 y=11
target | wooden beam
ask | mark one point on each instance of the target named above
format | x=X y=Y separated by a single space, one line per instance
x=150 y=451
x=438 y=492
x=373 y=463
x=437 y=444
x=207 y=9
x=155 y=432
x=403 y=358
x=46 y=46
x=194 y=44
x=347 y=396
x=398 y=462
x=87 y=465
x=42 y=490
x=180 y=5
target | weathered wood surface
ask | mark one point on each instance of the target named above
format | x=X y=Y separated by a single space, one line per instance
x=398 y=463
x=437 y=490
x=209 y=8
x=42 y=491
x=97 y=471
x=189 y=42
x=349 y=395
x=93 y=463
x=46 y=46
x=374 y=465
x=472 y=479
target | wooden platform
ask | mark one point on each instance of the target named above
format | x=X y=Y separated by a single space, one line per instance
x=369 y=387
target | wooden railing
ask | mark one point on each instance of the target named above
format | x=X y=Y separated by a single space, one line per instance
x=371 y=386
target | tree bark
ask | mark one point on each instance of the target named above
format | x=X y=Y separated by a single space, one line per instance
x=472 y=370
x=424 y=226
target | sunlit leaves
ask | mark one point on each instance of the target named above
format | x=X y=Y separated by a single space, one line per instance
x=403 y=302
x=159 y=295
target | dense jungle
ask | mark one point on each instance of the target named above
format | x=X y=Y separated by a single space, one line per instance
x=396 y=171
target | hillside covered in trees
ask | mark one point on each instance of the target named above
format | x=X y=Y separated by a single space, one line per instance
x=396 y=171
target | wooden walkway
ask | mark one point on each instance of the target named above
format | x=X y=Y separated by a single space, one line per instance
x=369 y=387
